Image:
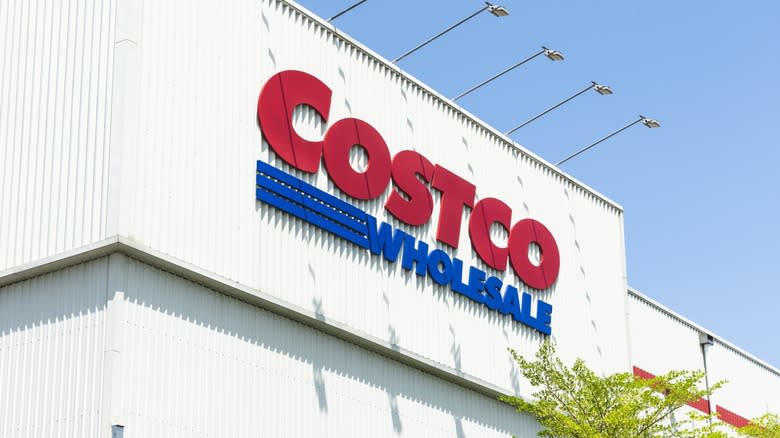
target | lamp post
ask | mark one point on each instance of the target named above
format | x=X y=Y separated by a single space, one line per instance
x=650 y=123
x=346 y=10
x=601 y=89
x=496 y=10
x=553 y=55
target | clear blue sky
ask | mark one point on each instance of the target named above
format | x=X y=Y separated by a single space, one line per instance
x=700 y=194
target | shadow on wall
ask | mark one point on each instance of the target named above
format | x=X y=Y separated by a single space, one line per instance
x=51 y=352
x=327 y=356
x=75 y=292
x=170 y=318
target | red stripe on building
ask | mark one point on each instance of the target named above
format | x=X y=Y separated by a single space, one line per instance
x=701 y=404
x=642 y=374
x=731 y=418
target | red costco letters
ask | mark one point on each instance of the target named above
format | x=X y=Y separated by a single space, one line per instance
x=286 y=90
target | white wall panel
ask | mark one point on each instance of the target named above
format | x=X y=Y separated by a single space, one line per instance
x=753 y=389
x=51 y=353
x=192 y=176
x=55 y=77
x=661 y=342
x=197 y=363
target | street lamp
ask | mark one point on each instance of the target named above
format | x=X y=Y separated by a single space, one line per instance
x=598 y=88
x=553 y=55
x=650 y=123
x=346 y=10
x=496 y=10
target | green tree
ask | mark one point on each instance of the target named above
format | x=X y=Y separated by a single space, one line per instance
x=575 y=402
x=766 y=426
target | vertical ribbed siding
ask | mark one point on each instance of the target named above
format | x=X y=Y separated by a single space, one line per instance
x=51 y=353
x=192 y=191
x=659 y=341
x=55 y=77
x=752 y=389
x=662 y=341
x=196 y=363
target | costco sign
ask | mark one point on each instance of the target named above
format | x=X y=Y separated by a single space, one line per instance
x=410 y=201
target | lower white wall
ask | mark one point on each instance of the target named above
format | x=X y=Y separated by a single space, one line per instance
x=117 y=341
x=195 y=362
x=752 y=389
x=51 y=353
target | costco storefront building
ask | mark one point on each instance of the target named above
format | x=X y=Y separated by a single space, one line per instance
x=192 y=244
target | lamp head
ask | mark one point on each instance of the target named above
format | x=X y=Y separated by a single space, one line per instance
x=497 y=10
x=602 y=89
x=553 y=55
x=650 y=123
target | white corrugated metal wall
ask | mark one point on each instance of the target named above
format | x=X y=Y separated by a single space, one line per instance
x=753 y=389
x=659 y=341
x=55 y=113
x=51 y=353
x=192 y=191
x=197 y=363
x=191 y=362
x=183 y=153
x=662 y=341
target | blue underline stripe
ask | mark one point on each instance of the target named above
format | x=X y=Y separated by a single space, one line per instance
x=311 y=217
x=310 y=189
x=307 y=202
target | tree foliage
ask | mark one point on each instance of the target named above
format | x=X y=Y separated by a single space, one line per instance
x=766 y=426
x=575 y=402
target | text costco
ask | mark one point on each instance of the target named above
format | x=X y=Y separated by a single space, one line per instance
x=410 y=201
